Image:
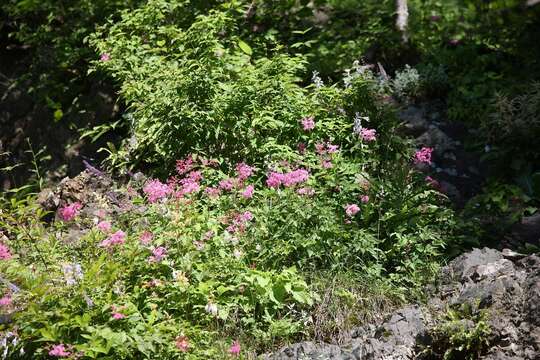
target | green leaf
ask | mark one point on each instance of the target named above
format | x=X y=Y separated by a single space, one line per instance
x=58 y=114
x=245 y=47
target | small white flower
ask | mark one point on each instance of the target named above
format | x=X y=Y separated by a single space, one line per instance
x=211 y=308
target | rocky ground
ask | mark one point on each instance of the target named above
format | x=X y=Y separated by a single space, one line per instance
x=486 y=305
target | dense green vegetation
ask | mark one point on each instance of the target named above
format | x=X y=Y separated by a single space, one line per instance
x=277 y=168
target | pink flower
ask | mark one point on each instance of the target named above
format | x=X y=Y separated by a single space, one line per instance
x=368 y=134
x=104 y=226
x=295 y=177
x=327 y=164
x=226 y=184
x=146 y=237
x=423 y=156
x=319 y=148
x=158 y=254
x=235 y=348
x=308 y=123
x=5 y=254
x=301 y=148
x=156 y=190
x=305 y=191
x=184 y=166
x=248 y=192
x=105 y=57
x=432 y=182
x=331 y=149
x=118 y=316
x=68 y=212
x=274 y=180
x=212 y=192
x=59 y=351
x=352 y=209
x=189 y=186
x=364 y=199
x=246 y=216
x=6 y=300
x=243 y=170
x=195 y=176
x=118 y=238
x=182 y=343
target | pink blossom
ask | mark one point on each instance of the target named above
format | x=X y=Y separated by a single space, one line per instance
x=295 y=177
x=320 y=148
x=146 y=237
x=352 y=209
x=59 y=351
x=327 y=164
x=105 y=57
x=246 y=216
x=235 y=348
x=118 y=316
x=182 y=343
x=226 y=184
x=274 y=180
x=184 y=166
x=301 y=148
x=189 y=186
x=118 y=238
x=305 y=191
x=104 y=226
x=68 y=212
x=158 y=254
x=212 y=192
x=6 y=300
x=156 y=190
x=243 y=170
x=423 y=156
x=248 y=192
x=195 y=176
x=368 y=134
x=331 y=149
x=5 y=254
x=308 y=123
x=364 y=199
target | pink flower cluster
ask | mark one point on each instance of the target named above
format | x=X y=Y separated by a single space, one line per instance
x=423 y=156
x=275 y=179
x=158 y=254
x=326 y=148
x=185 y=165
x=5 y=254
x=190 y=184
x=235 y=348
x=239 y=222
x=5 y=300
x=104 y=226
x=182 y=343
x=351 y=209
x=59 y=350
x=368 y=134
x=118 y=238
x=248 y=192
x=116 y=312
x=308 y=123
x=212 y=192
x=156 y=190
x=146 y=237
x=306 y=191
x=432 y=182
x=244 y=171
x=364 y=199
x=105 y=57
x=68 y=212
x=226 y=184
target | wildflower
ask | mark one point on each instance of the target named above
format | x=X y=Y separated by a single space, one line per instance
x=182 y=343
x=274 y=180
x=156 y=190
x=305 y=191
x=211 y=308
x=5 y=254
x=295 y=177
x=352 y=209
x=118 y=316
x=243 y=170
x=308 y=123
x=237 y=253
x=68 y=212
x=118 y=238
x=368 y=134
x=327 y=164
x=364 y=199
x=331 y=149
x=301 y=148
x=189 y=186
x=184 y=166
x=158 y=254
x=423 y=156
x=5 y=300
x=319 y=148
x=212 y=192
x=146 y=237
x=105 y=57
x=72 y=273
x=316 y=79
x=59 y=351
x=235 y=348
x=357 y=128
x=104 y=226
x=248 y=192
x=226 y=184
